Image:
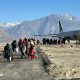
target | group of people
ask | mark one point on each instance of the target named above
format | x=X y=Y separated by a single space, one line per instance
x=24 y=47
x=53 y=41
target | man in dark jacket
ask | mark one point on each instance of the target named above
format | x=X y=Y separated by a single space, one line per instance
x=7 y=52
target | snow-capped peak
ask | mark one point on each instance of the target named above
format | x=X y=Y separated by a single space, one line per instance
x=70 y=17
x=9 y=24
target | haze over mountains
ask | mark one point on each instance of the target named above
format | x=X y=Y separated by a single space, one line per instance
x=4 y=36
x=45 y=25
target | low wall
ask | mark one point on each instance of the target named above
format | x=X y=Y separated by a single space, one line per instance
x=43 y=58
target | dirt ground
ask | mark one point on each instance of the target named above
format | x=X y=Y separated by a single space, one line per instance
x=65 y=60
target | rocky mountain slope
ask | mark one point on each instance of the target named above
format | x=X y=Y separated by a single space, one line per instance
x=45 y=25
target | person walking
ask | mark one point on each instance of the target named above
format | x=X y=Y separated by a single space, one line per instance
x=7 y=52
x=31 y=52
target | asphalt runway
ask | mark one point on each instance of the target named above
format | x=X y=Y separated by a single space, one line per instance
x=23 y=69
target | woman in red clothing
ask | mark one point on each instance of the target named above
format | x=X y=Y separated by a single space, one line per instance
x=31 y=52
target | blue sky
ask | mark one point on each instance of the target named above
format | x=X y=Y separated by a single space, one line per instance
x=21 y=10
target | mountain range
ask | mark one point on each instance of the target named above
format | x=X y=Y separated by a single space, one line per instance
x=4 y=36
x=42 y=26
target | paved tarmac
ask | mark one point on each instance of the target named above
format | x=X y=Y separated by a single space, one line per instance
x=23 y=69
